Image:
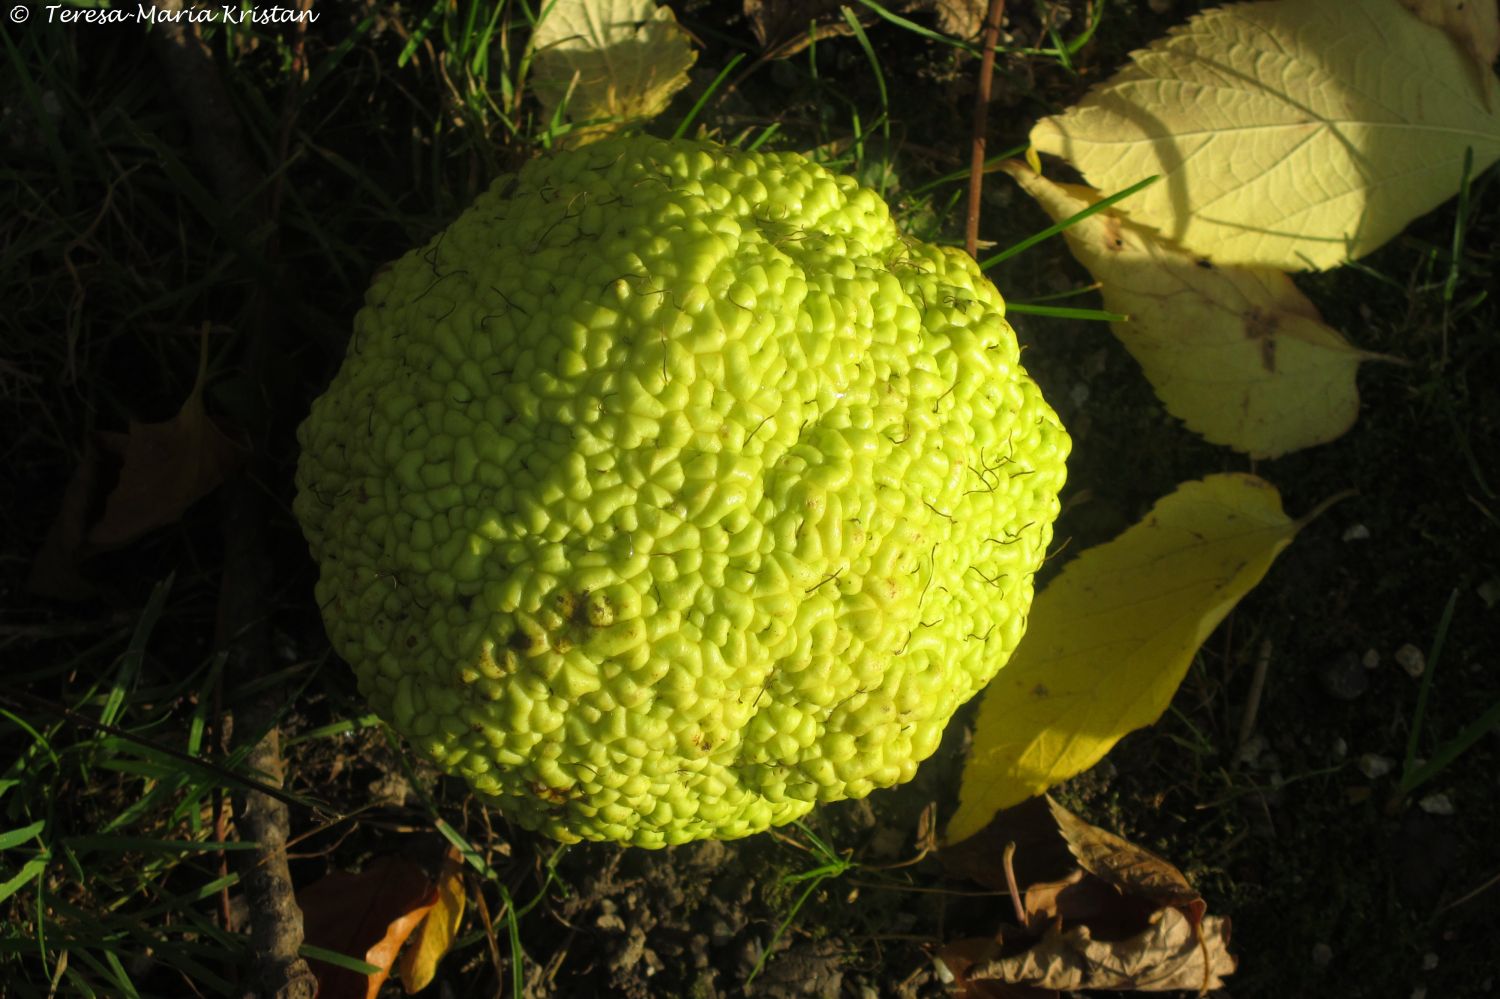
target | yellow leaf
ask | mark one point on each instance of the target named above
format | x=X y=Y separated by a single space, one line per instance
x=436 y=934
x=1111 y=637
x=1289 y=134
x=1473 y=24
x=1237 y=353
x=610 y=62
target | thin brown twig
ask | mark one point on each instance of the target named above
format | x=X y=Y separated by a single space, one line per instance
x=1257 y=690
x=275 y=919
x=992 y=23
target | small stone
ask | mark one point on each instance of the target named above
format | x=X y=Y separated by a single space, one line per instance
x=1251 y=749
x=1375 y=766
x=1371 y=659
x=1340 y=749
x=1420 y=992
x=1344 y=678
x=1436 y=804
x=1357 y=532
x=1322 y=954
x=1079 y=393
x=1489 y=591
x=1429 y=961
x=1410 y=658
x=1159 y=6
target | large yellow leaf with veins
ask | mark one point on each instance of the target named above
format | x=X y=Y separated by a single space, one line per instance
x=1294 y=134
x=1111 y=637
x=611 y=62
x=1237 y=353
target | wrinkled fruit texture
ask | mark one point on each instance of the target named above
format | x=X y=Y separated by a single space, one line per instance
x=671 y=491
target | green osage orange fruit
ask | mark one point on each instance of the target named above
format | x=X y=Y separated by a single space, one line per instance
x=671 y=491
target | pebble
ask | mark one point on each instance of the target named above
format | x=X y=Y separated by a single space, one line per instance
x=1374 y=766
x=1410 y=658
x=1251 y=749
x=1322 y=954
x=1357 y=532
x=1371 y=659
x=1429 y=961
x=1489 y=591
x=1340 y=748
x=1344 y=678
x=1436 y=804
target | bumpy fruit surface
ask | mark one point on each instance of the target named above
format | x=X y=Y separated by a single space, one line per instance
x=671 y=491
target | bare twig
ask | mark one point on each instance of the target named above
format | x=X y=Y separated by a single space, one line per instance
x=992 y=23
x=275 y=919
x=1257 y=689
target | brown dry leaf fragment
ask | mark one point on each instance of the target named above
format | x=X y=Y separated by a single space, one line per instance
x=786 y=27
x=1473 y=24
x=959 y=18
x=54 y=573
x=367 y=916
x=167 y=467
x=1041 y=854
x=164 y=468
x=1124 y=865
x=438 y=931
x=1084 y=899
x=1165 y=956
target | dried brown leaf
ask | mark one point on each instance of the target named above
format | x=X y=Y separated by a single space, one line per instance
x=786 y=27
x=367 y=915
x=1130 y=868
x=1041 y=854
x=163 y=468
x=959 y=18
x=1166 y=955
x=167 y=467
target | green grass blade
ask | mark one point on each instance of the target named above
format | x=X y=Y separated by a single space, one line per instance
x=16 y=837
x=1063 y=312
x=135 y=652
x=338 y=960
x=30 y=870
x=1452 y=749
x=698 y=105
x=1413 y=738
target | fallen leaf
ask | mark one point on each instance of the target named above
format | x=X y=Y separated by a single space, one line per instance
x=1042 y=856
x=1098 y=925
x=786 y=27
x=610 y=63
x=1125 y=866
x=435 y=936
x=1290 y=135
x=1473 y=24
x=1165 y=955
x=1111 y=637
x=368 y=916
x=54 y=571
x=959 y=18
x=163 y=469
x=1237 y=353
